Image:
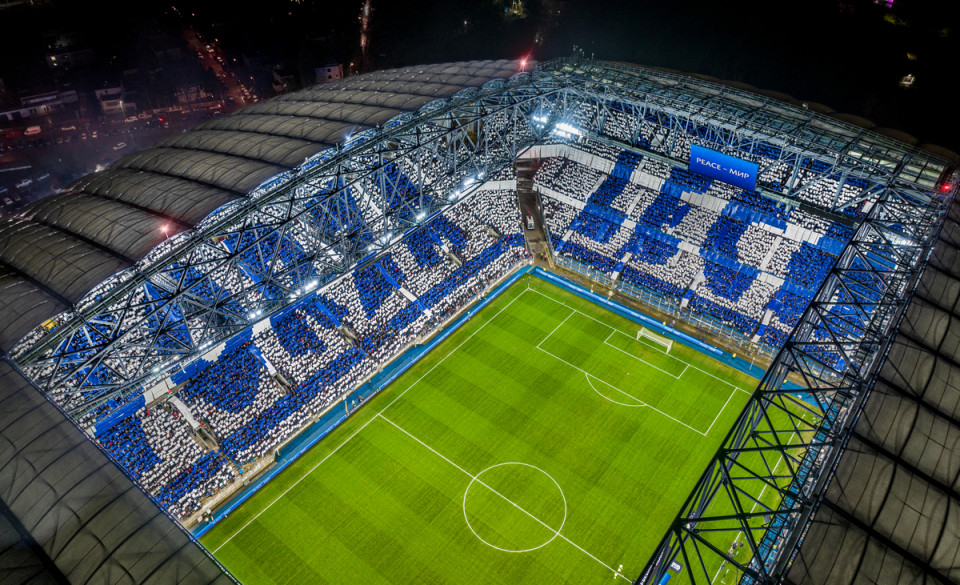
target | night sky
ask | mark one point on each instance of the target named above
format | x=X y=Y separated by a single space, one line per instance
x=847 y=54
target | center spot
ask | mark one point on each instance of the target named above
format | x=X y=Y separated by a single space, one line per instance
x=514 y=507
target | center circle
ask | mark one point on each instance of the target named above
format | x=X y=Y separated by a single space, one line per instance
x=514 y=507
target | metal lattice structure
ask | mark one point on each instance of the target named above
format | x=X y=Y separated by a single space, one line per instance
x=297 y=231
x=303 y=227
x=791 y=434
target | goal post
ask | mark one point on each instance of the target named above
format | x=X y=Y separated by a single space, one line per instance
x=665 y=342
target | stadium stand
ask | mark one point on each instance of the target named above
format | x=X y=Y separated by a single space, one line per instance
x=746 y=259
x=705 y=242
x=249 y=412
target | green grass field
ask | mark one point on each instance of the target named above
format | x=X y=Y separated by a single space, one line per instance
x=541 y=443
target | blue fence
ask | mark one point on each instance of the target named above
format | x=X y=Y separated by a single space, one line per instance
x=658 y=326
x=333 y=417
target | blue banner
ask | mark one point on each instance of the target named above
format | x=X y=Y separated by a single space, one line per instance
x=722 y=167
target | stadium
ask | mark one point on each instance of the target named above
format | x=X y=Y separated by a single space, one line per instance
x=490 y=321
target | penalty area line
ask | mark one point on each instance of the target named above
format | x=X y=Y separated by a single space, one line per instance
x=559 y=302
x=589 y=375
x=642 y=403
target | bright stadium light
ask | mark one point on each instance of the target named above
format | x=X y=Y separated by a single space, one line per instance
x=566 y=130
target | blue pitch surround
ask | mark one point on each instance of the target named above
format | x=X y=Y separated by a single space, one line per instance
x=336 y=414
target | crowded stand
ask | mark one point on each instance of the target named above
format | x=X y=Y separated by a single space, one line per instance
x=321 y=349
x=761 y=204
x=732 y=297
x=499 y=210
x=694 y=181
x=665 y=211
x=231 y=392
x=808 y=266
x=714 y=249
x=156 y=449
x=421 y=275
x=724 y=235
x=754 y=245
x=742 y=323
x=600 y=149
x=737 y=235
x=775 y=336
x=726 y=282
x=672 y=276
x=568 y=177
x=655 y=168
x=558 y=218
x=781 y=256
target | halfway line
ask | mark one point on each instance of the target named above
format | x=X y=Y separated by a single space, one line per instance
x=440 y=361
x=505 y=498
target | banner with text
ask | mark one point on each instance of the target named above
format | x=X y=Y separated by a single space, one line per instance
x=723 y=167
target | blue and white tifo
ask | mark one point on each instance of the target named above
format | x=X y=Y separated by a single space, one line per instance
x=299 y=270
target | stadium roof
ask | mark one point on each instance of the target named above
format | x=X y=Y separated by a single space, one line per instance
x=892 y=512
x=57 y=249
x=68 y=514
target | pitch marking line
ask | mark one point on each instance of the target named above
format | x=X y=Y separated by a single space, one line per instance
x=355 y=433
x=556 y=532
x=739 y=534
x=545 y=295
x=674 y=376
x=642 y=403
x=555 y=328
x=476 y=479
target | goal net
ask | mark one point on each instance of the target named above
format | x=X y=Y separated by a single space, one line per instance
x=665 y=342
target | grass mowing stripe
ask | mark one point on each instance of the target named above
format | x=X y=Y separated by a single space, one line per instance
x=632 y=342
x=481 y=482
x=623 y=332
x=380 y=512
x=589 y=375
x=440 y=361
x=678 y=421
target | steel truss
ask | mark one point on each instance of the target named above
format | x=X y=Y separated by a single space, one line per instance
x=290 y=236
x=662 y=111
x=304 y=228
x=764 y=483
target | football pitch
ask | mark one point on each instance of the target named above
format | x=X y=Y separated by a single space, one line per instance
x=542 y=442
